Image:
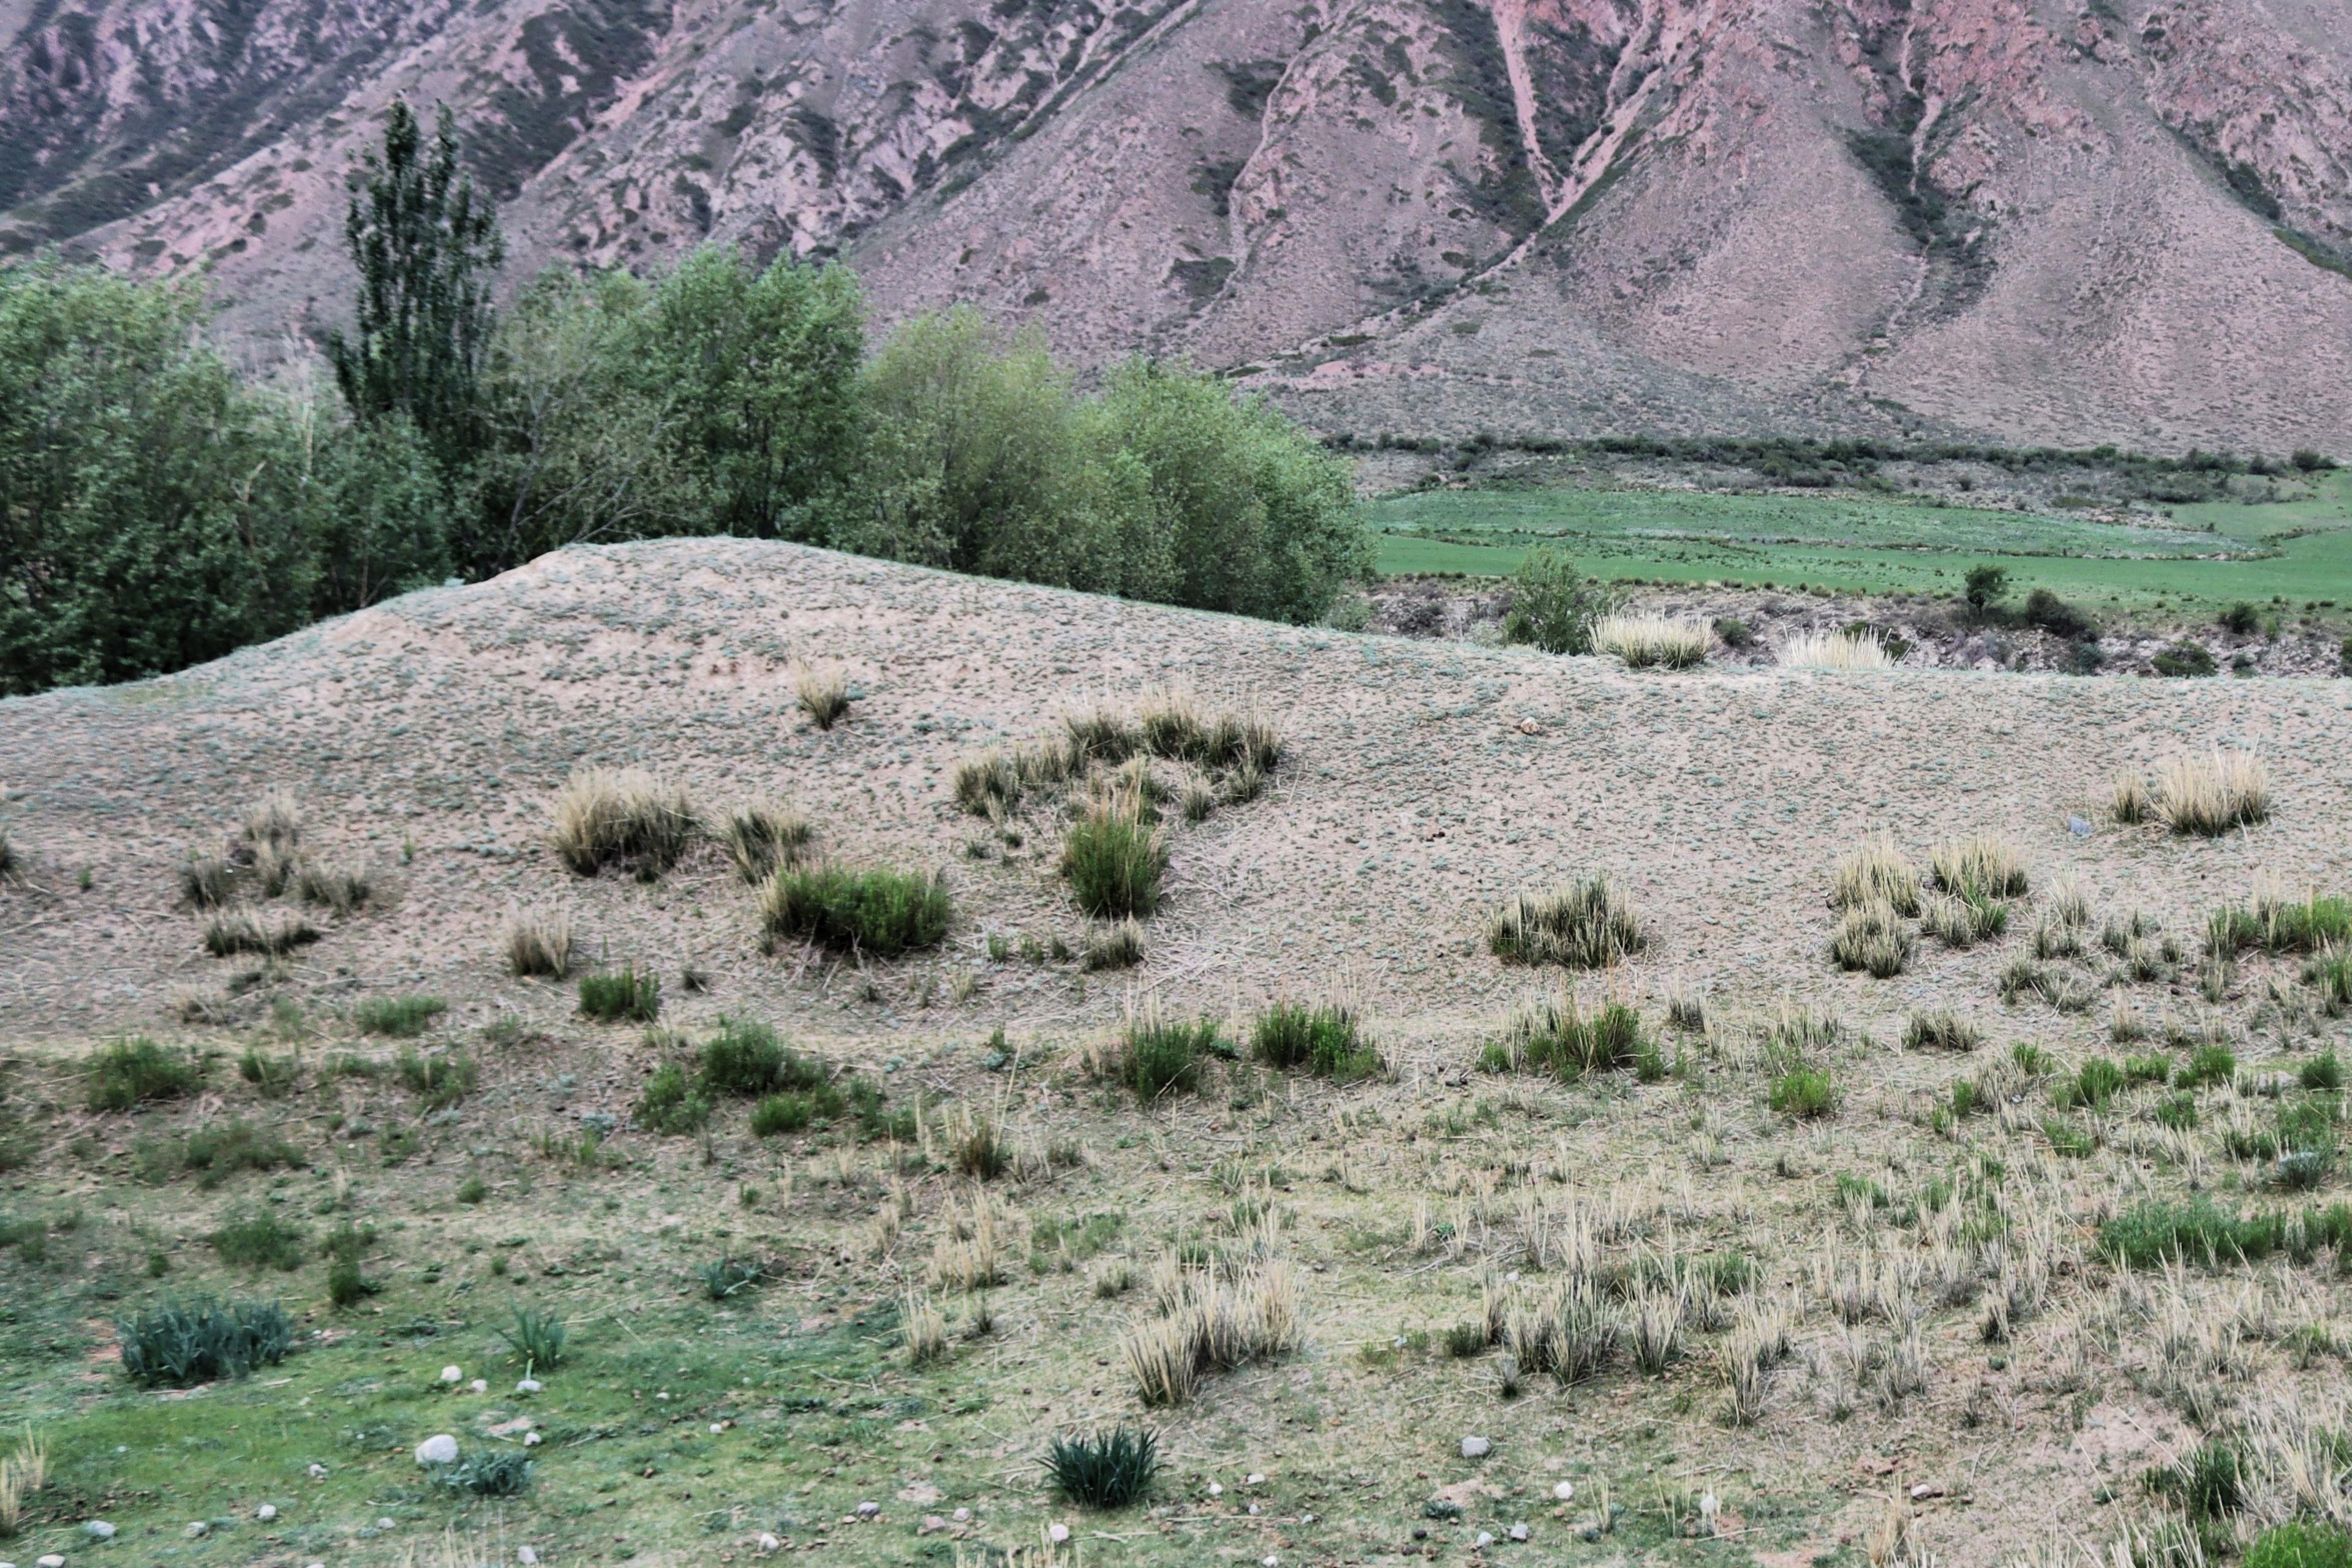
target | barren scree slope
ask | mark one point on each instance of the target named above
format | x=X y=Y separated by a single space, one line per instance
x=1419 y=783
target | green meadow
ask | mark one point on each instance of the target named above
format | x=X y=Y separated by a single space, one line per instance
x=2207 y=553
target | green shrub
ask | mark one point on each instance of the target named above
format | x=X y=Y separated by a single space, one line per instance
x=2150 y=1068
x=1114 y=861
x=2184 y=659
x=745 y=1059
x=2330 y=974
x=2324 y=1072
x=537 y=1338
x=1162 y=1055
x=623 y=995
x=2209 y=1482
x=2098 y=1081
x=402 y=1017
x=1326 y=1041
x=2298 y=1545
x=345 y=1245
x=2179 y=1112
x=879 y=912
x=439 y=1080
x=2055 y=616
x=1582 y=926
x=1804 y=1092
x=273 y=1077
x=2240 y=619
x=1104 y=1469
x=2207 y=1064
x=1554 y=605
x=2067 y=1140
x=2153 y=1233
x=259 y=1241
x=127 y=1072
x=178 y=1344
x=794 y=1111
x=670 y=1104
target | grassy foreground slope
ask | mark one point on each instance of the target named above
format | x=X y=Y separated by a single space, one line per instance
x=2212 y=552
x=423 y=743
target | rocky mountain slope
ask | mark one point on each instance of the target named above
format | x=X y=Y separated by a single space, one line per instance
x=2125 y=222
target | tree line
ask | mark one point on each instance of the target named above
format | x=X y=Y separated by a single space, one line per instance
x=157 y=510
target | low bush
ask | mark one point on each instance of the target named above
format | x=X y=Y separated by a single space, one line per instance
x=2207 y=1064
x=621 y=817
x=2183 y=660
x=2322 y=1074
x=260 y=1241
x=1554 y=605
x=623 y=995
x=1328 y=1040
x=206 y=881
x=2055 y=616
x=134 y=1070
x=501 y=1472
x=178 y=1344
x=880 y=913
x=670 y=1103
x=272 y=1077
x=1805 y=1093
x=1552 y=1034
x=2240 y=619
x=402 y=1018
x=1109 y=1470
x=1581 y=925
x=1114 y=859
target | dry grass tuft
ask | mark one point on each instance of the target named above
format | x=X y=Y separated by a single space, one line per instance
x=822 y=694
x=1875 y=871
x=537 y=944
x=620 y=816
x=1118 y=945
x=1834 y=650
x=2211 y=795
x=1583 y=925
x=1984 y=867
x=2130 y=802
x=1206 y=1324
x=1872 y=938
x=762 y=835
x=234 y=932
x=275 y=821
x=332 y=887
x=1653 y=641
x=922 y=1330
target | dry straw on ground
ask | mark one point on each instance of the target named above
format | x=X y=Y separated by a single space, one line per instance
x=1834 y=650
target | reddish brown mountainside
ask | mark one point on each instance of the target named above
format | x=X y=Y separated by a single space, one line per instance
x=2130 y=222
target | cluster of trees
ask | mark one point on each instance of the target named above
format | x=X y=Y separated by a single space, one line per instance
x=157 y=510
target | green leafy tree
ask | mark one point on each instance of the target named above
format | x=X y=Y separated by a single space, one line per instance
x=426 y=247
x=375 y=508
x=762 y=367
x=148 y=513
x=1245 y=511
x=1984 y=587
x=1554 y=605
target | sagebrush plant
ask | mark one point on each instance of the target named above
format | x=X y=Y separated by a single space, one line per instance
x=1111 y=1470
x=1648 y=641
x=877 y=912
x=624 y=995
x=2208 y=796
x=1326 y=1038
x=762 y=835
x=178 y=1344
x=624 y=817
x=1874 y=871
x=132 y=1069
x=1114 y=859
x=537 y=944
x=1584 y=924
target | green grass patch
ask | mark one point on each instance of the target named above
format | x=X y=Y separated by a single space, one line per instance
x=1114 y=862
x=129 y=1071
x=623 y=995
x=260 y=1241
x=879 y=912
x=401 y=1018
x=2153 y=1233
x=178 y=1344
x=1326 y=1041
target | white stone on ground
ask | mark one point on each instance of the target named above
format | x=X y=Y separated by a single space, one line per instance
x=98 y=1530
x=438 y=1449
x=1564 y=1491
x=451 y=1375
x=1476 y=1447
x=266 y=1512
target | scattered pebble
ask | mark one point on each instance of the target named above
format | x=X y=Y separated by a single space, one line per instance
x=1215 y=1490
x=932 y=1524
x=384 y=1524
x=1255 y=1479
x=1305 y=1519
x=1253 y=1508
x=1564 y=1491
x=1476 y=1447
x=1483 y=1540
x=481 y=1385
x=526 y=1555
x=266 y=1512
x=451 y=1375
x=717 y=1427
x=1519 y=1533
x=197 y=1530
x=869 y=1511
x=529 y=1385
x=769 y=1543
x=531 y=1439
x=51 y=1561
x=438 y=1449
x=98 y=1530
x=318 y=1472
x=962 y=1516
x=1059 y=1534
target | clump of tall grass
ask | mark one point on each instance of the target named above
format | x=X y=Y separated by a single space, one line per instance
x=1171 y=723
x=1940 y=1030
x=207 y=881
x=922 y=1329
x=1552 y=1033
x=537 y=944
x=762 y=835
x=401 y=1018
x=331 y=887
x=878 y=912
x=1113 y=858
x=2275 y=923
x=2129 y=801
x=1159 y=1054
x=129 y=1071
x=1804 y=1092
x=1835 y=650
x=989 y=784
x=274 y=822
x=232 y=932
x=1211 y=1324
x=1326 y=1039
x=1644 y=641
x=620 y=816
x=1873 y=872
x=537 y=1338
x=1984 y=867
x=1116 y=945
x=822 y=694
x=1872 y=938
x=1104 y=1469
x=1584 y=924
x=178 y=1344
x=623 y=995
x=2208 y=796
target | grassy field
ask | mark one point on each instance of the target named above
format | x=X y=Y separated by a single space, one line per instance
x=2213 y=552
